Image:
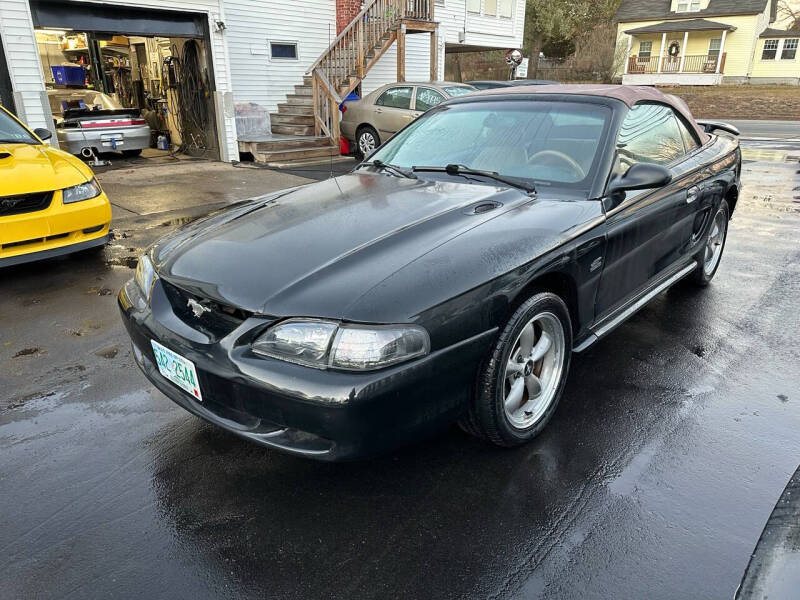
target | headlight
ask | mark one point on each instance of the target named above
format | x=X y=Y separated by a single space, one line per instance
x=82 y=191
x=145 y=275
x=323 y=344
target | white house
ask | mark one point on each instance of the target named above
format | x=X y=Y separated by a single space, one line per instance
x=259 y=57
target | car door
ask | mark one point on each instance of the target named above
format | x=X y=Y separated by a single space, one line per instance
x=392 y=110
x=650 y=231
x=426 y=98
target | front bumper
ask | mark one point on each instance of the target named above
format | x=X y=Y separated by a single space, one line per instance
x=104 y=139
x=321 y=414
x=58 y=229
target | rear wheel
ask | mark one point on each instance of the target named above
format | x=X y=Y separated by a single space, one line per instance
x=131 y=153
x=521 y=383
x=709 y=257
x=366 y=140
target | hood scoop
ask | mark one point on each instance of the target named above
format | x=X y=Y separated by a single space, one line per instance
x=4 y=154
x=482 y=207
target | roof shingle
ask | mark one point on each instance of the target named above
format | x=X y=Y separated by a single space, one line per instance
x=690 y=25
x=646 y=10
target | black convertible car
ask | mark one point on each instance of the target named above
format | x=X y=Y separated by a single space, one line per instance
x=449 y=277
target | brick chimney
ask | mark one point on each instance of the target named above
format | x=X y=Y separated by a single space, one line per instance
x=346 y=11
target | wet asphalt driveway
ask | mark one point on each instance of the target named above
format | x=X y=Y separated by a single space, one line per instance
x=673 y=442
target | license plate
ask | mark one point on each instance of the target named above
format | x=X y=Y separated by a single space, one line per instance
x=177 y=369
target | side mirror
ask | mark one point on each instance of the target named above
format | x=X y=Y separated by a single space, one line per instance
x=44 y=134
x=640 y=176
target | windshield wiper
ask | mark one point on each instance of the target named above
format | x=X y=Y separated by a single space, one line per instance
x=387 y=167
x=454 y=169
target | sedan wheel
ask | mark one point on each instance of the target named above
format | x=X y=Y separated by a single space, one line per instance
x=521 y=383
x=367 y=140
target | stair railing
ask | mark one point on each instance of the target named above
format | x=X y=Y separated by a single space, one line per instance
x=343 y=65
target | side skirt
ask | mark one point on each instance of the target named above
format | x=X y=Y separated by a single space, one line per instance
x=607 y=325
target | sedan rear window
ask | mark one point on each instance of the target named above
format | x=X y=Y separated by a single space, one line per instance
x=399 y=97
x=538 y=140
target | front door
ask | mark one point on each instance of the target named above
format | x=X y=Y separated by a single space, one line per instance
x=650 y=231
x=393 y=110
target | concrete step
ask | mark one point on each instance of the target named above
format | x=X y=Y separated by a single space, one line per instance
x=295 y=109
x=296 y=154
x=303 y=90
x=292 y=142
x=292 y=129
x=291 y=119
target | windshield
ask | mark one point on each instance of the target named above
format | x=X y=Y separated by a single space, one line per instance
x=78 y=99
x=458 y=90
x=12 y=132
x=546 y=142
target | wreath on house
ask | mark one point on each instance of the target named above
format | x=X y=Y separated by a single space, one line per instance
x=674 y=49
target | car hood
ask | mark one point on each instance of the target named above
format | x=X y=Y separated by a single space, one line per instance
x=314 y=250
x=28 y=168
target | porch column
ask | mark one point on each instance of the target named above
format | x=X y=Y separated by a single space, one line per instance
x=627 y=55
x=721 y=49
x=683 y=50
x=435 y=54
x=661 y=51
x=401 y=53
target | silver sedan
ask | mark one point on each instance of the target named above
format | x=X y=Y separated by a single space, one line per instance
x=376 y=117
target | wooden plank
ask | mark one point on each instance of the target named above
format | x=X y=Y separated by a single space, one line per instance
x=434 y=56
x=401 y=55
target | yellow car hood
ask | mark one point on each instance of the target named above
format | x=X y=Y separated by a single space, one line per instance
x=27 y=168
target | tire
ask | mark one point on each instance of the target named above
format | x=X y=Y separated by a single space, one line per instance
x=710 y=256
x=132 y=153
x=488 y=416
x=367 y=139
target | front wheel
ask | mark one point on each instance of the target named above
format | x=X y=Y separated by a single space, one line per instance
x=521 y=383
x=710 y=255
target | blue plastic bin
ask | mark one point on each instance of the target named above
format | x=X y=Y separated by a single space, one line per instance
x=66 y=75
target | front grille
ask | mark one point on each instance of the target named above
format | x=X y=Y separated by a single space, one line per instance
x=24 y=203
x=217 y=322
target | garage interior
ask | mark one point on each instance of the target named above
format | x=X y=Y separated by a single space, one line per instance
x=125 y=66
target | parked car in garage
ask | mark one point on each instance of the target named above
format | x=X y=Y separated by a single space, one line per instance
x=50 y=202
x=449 y=277
x=87 y=119
x=496 y=83
x=369 y=122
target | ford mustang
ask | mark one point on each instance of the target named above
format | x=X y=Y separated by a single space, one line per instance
x=449 y=277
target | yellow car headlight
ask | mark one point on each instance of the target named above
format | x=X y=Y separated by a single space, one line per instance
x=82 y=191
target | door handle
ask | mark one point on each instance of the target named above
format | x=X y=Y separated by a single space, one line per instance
x=378 y=111
x=691 y=194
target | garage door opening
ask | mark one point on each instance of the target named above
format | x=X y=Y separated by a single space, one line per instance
x=116 y=92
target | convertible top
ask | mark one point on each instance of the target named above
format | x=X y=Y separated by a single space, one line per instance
x=629 y=94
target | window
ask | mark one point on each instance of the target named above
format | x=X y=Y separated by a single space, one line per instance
x=789 y=49
x=490 y=8
x=688 y=6
x=427 y=98
x=12 y=132
x=645 y=48
x=397 y=97
x=714 y=46
x=770 y=50
x=474 y=6
x=650 y=133
x=283 y=50
x=689 y=141
x=514 y=138
x=506 y=6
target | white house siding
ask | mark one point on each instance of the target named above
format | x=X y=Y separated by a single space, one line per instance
x=22 y=56
x=418 y=63
x=253 y=24
x=19 y=41
x=479 y=30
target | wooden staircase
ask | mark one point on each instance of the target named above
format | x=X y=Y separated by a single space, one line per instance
x=306 y=126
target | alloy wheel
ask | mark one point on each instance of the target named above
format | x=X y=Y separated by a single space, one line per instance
x=533 y=371
x=716 y=239
x=366 y=142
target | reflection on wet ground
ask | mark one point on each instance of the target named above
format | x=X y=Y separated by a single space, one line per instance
x=675 y=438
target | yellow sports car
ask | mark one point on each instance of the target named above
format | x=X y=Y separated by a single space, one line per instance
x=50 y=202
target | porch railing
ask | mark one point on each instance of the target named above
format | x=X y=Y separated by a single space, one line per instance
x=343 y=65
x=691 y=63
